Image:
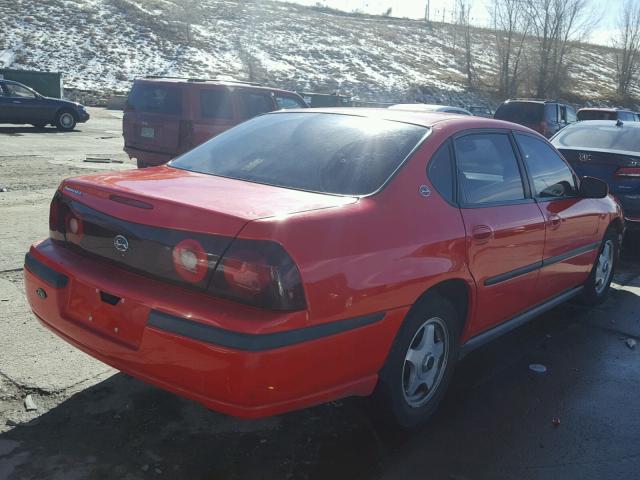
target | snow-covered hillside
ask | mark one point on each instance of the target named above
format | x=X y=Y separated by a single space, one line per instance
x=103 y=44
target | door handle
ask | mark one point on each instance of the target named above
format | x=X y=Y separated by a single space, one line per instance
x=482 y=233
x=554 y=221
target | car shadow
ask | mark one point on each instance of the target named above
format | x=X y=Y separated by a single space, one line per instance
x=122 y=427
x=19 y=130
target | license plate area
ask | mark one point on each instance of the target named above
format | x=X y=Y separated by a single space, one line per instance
x=113 y=316
x=147 y=132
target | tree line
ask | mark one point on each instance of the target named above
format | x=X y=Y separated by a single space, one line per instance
x=533 y=38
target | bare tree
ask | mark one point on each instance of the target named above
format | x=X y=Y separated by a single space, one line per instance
x=554 y=24
x=628 y=45
x=510 y=30
x=464 y=21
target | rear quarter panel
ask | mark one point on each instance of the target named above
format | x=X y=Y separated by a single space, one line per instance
x=380 y=253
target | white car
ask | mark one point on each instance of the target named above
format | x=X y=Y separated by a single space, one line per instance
x=424 y=107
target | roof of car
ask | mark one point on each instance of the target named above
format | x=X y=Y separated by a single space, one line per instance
x=624 y=124
x=425 y=119
x=604 y=109
x=421 y=106
x=209 y=81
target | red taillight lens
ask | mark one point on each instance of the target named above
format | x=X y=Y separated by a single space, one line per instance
x=628 y=172
x=259 y=273
x=190 y=260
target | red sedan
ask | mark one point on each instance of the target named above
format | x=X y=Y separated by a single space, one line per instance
x=304 y=256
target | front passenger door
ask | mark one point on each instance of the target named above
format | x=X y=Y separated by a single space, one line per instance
x=504 y=227
x=571 y=221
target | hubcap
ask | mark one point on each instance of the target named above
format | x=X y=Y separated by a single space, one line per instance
x=425 y=362
x=604 y=267
x=66 y=120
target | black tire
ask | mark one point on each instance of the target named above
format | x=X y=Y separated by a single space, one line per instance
x=39 y=125
x=66 y=120
x=391 y=397
x=597 y=285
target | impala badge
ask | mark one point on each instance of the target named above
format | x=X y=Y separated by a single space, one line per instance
x=120 y=243
x=424 y=191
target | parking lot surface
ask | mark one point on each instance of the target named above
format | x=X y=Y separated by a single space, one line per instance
x=500 y=419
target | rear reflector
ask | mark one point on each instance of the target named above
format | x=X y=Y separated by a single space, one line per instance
x=190 y=260
x=628 y=172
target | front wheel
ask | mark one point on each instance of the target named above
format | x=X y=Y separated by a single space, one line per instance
x=421 y=362
x=597 y=285
x=65 y=121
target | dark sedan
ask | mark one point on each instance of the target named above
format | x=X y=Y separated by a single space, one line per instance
x=609 y=150
x=20 y=104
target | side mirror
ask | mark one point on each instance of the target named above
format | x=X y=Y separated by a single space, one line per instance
x=591 y=187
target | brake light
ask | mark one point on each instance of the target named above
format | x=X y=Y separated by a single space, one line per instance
x=628 y=172
x=259 y=273
x=57 y=217
x=185 y=135
x=190 y=260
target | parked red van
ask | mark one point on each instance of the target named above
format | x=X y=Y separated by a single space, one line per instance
x=166 y=116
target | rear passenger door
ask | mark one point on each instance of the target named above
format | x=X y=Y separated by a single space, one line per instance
x=254 y=103
x=504 y=227
x=215 y=113
x=571 y=221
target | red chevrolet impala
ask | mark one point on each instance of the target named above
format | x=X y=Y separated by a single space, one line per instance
x=305 y=256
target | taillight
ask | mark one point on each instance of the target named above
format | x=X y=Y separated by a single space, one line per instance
x=628 y=172
x=185 y=137
x=57 y=217
x=190 y=260
x=259 y=273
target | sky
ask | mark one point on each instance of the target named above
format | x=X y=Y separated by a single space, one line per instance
x=479 y=12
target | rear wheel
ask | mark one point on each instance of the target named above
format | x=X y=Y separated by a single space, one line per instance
x=597 y=285
x=66 y=120
x=421 y=362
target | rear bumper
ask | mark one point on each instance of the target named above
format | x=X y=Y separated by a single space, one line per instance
x=240 y=373
x=146 y=158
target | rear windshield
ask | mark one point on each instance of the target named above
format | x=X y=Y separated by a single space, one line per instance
x=155 y=98
x=596 y=115
x=520 y=112
x=591 y=135
x=319 y=152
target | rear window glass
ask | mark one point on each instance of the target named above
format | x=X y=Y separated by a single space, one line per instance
x=596 y=115
x=285 y=102
x=591 y=135
x=292 y=150
x=216 y=103
x=520 y=112
x=154 y=98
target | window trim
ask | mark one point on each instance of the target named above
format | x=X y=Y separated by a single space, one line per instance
x=448 y=144
x=524 y=175
x=537 y=199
